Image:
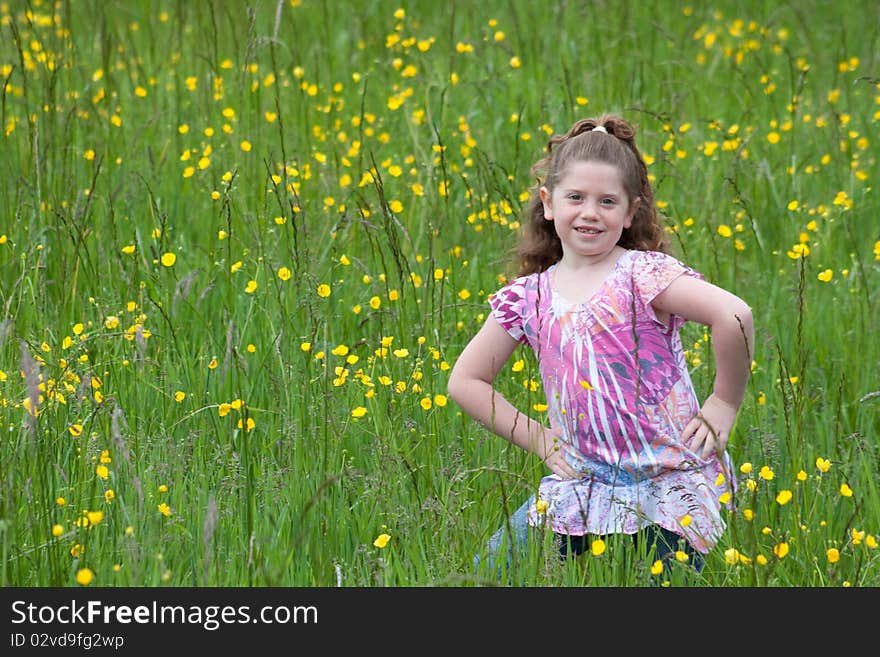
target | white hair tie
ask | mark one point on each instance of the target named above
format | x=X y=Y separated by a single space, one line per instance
x=600 y=128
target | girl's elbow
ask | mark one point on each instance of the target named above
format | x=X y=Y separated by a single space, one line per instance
x=743 y=315
x=454 y=386
x=452 y=389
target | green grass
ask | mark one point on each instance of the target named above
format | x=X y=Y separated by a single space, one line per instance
x=387 y=157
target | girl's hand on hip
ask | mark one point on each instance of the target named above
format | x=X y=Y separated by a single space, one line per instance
x=552 y=450
x=707 y=433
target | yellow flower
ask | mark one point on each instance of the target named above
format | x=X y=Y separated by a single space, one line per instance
x=823 y=465
x=686 y=520
x=780 y=550
x=766 y=473
x=724 y=230
x=163 y=488
x=324 y=290
x=426 y=403
x=597 y=547
x=57 y=530
x=284 y=274
x=825 y=276
x=681 y=556
x=95 y=517
x=102 y=471
x=111 y=322
x=382 y=540
x=745 y=468
x=224 y=409
x=164 y=509
x=75 y=429
x=657 y=567
x=833 y=555
x=168 y=259
x=246 y=145
x=784 y=497
x=84 y=576
x=541 y=506
x=440 y=400
x=359 y=411
x=845 y=490
x=179 y=396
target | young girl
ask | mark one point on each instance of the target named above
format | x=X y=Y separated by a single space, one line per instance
x=601 y=303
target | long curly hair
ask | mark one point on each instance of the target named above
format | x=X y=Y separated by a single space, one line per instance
x=540 y=246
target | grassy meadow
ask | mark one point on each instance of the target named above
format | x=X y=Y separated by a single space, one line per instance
x=243 y=243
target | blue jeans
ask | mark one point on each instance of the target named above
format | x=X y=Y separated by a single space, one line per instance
x=519 y=526
x=664 y=542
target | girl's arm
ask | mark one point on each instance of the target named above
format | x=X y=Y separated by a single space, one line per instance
x=733 y=337
x=470 y=385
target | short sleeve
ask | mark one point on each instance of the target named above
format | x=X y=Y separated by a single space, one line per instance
x=652 y=273
x=507 y=308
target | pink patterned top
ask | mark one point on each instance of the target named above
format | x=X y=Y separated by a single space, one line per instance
x=619 y=392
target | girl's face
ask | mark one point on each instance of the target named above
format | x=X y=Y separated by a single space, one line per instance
x=589 y=208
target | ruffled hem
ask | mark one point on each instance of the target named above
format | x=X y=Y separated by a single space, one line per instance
x=681 y=501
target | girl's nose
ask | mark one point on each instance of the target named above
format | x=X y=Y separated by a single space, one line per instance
x=589 y=209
